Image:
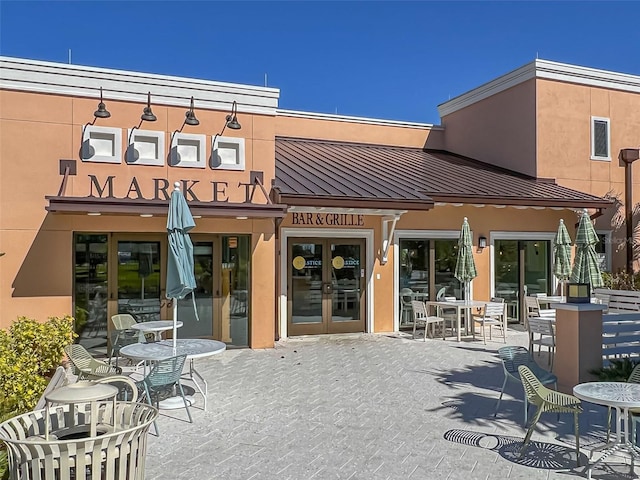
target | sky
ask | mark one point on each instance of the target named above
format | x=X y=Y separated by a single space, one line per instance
x=390 y=60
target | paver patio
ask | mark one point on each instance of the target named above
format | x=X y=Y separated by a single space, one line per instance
x=367 y=407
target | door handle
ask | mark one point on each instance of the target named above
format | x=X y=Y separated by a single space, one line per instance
x=327 y=288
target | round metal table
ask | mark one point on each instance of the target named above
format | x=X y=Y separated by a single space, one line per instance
x=156 y=327
x=621 y=396
x=191 y=347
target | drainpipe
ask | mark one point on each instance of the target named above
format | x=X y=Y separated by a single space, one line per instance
x=628 y=156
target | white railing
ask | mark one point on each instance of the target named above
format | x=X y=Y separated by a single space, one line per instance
x=620 y=336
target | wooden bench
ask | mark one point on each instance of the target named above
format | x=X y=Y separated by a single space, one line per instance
x=619 y=301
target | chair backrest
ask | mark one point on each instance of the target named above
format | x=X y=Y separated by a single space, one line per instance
x=419 y=310
x=497 y=300
x=441 y=293
x=533 y=306
x=166 y=371
x=533 y=388
x=512 y=357
x=635 y=375
x=493 y=310
x=127 y=388
x=405 y=296
x=540 y=325
x=122 y=321
x=79 y=356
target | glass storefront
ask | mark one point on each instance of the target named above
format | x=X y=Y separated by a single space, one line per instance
x=428 y=266
x=235 y=293
x=90 y=290
x=222 y=294
x=521 y=267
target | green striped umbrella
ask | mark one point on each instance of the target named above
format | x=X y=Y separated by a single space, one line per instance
x=562 y=255
x=586 y=265
x=465 y=266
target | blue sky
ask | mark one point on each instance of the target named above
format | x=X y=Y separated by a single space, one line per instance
x=390 y=60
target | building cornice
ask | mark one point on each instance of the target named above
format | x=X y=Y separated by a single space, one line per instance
x=350 y=119
x=544 y=69
x=82 y=81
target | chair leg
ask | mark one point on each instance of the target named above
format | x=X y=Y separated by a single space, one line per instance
x=484 y=336
x=414 y=328
x=530 y=431
x=577 y=432
x=504 y=384
x=186 y=404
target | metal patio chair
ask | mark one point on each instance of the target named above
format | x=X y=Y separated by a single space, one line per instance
x=420 y=315
x=512 y=357
x=547 y=400
x=87 y=367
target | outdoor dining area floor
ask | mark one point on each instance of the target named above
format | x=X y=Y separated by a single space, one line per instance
x=369 y=406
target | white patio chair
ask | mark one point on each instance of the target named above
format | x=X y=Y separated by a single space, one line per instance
x=494 y=314
x=547 y=337
x=420 y=315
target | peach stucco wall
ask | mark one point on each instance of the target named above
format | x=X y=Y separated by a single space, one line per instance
x=499 y=130
x=37 y=130
x=352 y=131
x=564 y=145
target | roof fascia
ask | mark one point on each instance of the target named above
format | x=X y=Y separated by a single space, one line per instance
x=351 y=119
x=82 y=81
x=543 y=69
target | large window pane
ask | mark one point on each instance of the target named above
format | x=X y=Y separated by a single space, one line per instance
x=203 y=294
x=235 y=289
x=414 y=265
x=90 y=291
x=446 y=256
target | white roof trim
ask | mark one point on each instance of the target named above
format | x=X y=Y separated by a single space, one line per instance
x=348 y=211
x=350 y=119
x=545 y=69
x=76 y=80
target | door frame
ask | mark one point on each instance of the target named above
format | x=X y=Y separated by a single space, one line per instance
x=414 y=235
x=165 y=311
x=327 y=325
x=324 y=233
x=520 y=236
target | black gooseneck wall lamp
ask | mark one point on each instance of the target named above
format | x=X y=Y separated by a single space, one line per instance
x=147 y=116
x=189 y=119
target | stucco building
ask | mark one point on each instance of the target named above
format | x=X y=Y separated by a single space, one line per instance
x=306 y=223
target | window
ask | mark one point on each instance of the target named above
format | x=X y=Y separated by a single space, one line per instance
x=101 y=144
x=146 y=147
x=600 y=138
x=227 y=153
x=603 y=250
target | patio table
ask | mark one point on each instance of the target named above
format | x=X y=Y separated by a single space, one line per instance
x=156 y=327
x=622 y=396
x=191 y=347
x=459 y=305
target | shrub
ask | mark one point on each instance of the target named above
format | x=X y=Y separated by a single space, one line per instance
x=29 y=352
x=621 y=281
x=618 y=370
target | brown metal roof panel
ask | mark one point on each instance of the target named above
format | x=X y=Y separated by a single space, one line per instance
x=324 y=172
x=317 y=167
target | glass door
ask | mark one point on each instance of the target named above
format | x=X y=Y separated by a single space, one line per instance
x=522 y=267
x=326 y=286
x=138 y=279
x=203 y=294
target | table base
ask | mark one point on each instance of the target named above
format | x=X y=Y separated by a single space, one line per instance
x=633 y=451
x=173 y=403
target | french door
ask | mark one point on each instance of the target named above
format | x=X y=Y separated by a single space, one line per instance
x=326 y=286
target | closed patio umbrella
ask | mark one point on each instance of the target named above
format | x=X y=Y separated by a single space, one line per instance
x=586 y=265
x=180 y=268
x=465 y=265
x=562 y=255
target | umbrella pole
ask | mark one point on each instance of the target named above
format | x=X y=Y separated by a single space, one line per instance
x=175 y=325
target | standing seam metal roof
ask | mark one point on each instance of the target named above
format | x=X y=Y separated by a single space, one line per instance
x=327 y=169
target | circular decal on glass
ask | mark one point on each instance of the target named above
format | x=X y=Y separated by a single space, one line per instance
x=298 y=263
x=338 y=263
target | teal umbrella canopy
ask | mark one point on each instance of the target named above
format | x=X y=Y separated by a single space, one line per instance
x=586 y=265
x=562 y=253
x=180 y=269
x=181 y=279
x=465 y=265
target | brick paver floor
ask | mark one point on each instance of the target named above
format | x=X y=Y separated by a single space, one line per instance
x=367 y=407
